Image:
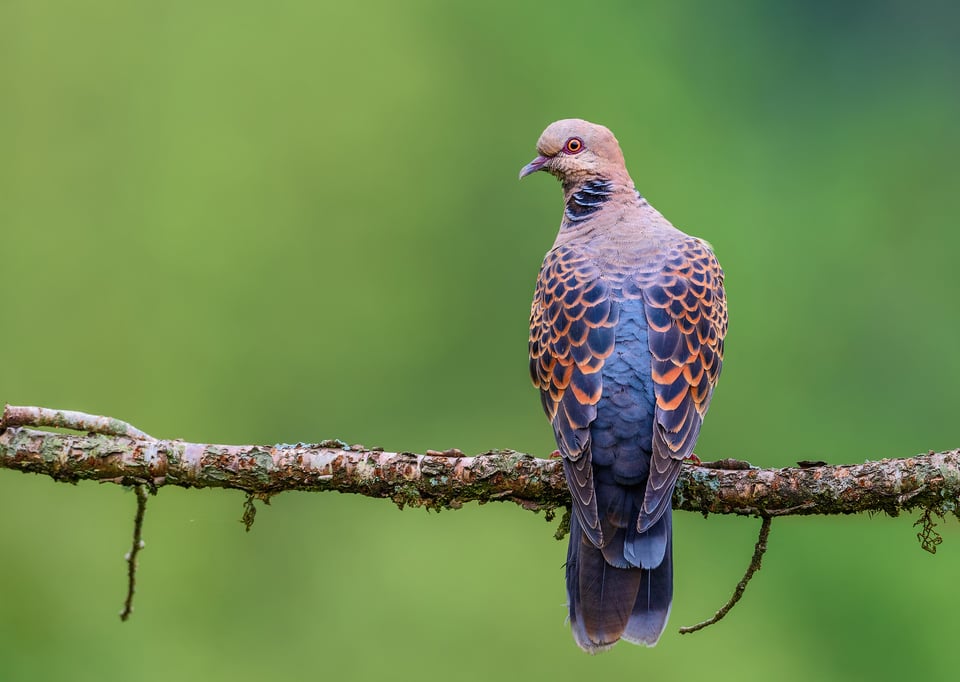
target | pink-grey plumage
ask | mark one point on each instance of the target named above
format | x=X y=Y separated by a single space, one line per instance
x=626 y=344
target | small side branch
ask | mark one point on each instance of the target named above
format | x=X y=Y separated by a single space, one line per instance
x=131 y=557
x=14 y=415
x=754 y=566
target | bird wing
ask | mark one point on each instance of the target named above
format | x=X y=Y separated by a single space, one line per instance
x=686 y=312
x=572 y=323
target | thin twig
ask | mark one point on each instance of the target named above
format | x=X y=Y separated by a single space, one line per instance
x=141 y=491
x=17 y=415
x=742 y=585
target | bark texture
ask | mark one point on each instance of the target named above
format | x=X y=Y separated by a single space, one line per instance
x=448 y=479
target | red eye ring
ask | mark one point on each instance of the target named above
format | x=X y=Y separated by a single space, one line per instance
x=573 y=146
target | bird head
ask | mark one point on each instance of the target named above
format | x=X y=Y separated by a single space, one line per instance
x=575 y=150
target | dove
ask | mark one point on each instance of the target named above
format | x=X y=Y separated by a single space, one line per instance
x=626 y=344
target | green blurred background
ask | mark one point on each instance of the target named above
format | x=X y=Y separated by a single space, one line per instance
x=255 y=222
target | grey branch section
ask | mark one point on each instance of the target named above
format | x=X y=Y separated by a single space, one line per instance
x=69 y=419
x=447 y=479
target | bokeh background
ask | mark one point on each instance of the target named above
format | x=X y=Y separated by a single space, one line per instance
x=254 y=222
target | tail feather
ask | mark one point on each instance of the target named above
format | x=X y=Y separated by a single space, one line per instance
x=648 y=549
x=608 y=603
x=651 y=609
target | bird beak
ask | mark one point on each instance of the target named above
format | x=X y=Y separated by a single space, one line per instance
x=534 y=166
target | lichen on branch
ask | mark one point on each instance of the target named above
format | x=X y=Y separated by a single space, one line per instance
x=109 y=450
x=446 y=479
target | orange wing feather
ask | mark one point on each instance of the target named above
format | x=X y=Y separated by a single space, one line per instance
x=572 y=321
x=686 y=312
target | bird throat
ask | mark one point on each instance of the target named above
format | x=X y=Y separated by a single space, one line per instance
x=587 y=199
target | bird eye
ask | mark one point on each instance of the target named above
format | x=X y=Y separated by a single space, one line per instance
x=574 y=146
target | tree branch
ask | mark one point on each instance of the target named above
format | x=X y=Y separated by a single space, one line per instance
x=447 y=479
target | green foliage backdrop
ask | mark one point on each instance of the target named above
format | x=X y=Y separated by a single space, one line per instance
x=260 y=222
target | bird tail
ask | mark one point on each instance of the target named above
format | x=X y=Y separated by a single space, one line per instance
x=609 y=603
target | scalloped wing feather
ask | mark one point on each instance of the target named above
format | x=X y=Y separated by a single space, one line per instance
x=686 y=312
x=572 y=332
